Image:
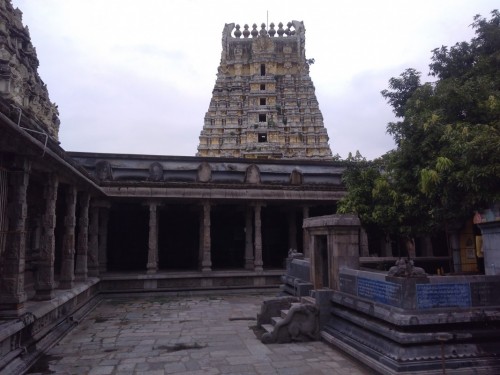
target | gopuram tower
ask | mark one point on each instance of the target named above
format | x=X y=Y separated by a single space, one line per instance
x=264 y=104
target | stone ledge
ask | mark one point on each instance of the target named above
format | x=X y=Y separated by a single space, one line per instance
x=23 y=340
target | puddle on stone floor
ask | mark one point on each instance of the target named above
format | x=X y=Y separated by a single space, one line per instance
x=42 y=366
x=179 y=346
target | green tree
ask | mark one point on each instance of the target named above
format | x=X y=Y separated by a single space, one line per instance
x=447 y=160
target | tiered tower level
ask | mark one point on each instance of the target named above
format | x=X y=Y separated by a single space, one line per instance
x=264 y=103
x=22 y=89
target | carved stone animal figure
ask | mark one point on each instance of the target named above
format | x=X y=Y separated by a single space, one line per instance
x=406 y=268
x=300 y=324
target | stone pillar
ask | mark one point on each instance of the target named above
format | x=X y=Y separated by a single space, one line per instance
x=292 y=230
x=305 y=234
x=68 y=248
x=44 y=281
x=82 y=244
x=93 y=251
x=103 y=236
x=152 y=266
x=206 y=263
x=249 y=265
x=12 y=261
x=258 y=263
x=200 y=236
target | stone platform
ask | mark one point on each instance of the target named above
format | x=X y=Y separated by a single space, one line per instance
x=202 y=334
x=24 y=339
x=400 y=325
x=189 y=280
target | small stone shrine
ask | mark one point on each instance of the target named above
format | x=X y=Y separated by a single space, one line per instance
x=402 y=321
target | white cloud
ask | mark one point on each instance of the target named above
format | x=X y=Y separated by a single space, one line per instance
x=137 y=77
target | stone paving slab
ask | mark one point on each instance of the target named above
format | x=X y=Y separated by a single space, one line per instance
x=199 y=335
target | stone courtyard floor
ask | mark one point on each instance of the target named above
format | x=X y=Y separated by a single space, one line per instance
x=203 y=334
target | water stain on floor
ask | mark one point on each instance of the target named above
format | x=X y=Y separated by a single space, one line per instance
x=42 y=366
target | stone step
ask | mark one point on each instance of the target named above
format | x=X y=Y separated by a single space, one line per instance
x=268 y=327
x=284 y=312
x=275 y=320
x=308 y=300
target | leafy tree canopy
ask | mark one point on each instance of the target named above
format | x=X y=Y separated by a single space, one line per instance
x=447 y=160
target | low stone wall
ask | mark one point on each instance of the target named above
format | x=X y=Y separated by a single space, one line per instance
x=23 y=340
x=297 y=279
x=422 y=293
x=417 y=324
x=188 y=281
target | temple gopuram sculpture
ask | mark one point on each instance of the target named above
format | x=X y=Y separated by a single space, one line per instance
x=264 y=104
x=20 y=84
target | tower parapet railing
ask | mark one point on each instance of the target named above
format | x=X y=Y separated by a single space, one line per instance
x=292 y=29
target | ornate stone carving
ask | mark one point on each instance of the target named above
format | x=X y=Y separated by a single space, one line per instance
x=252 y=175
x=300 y=324
x=204 y=172
x=405 y=268
x=20 y=84
x=12 y=256
x=155 y=172
x=253 y=112
x=45 y=284
x=296 y=177
x=82 y=245
x=103 y=171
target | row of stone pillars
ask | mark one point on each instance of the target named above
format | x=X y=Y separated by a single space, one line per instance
x=253 y=246
x=86 y=255
x=253 y=241
x=86 y=247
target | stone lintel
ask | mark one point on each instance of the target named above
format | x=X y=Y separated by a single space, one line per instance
x=340 y=220
x=213 y=193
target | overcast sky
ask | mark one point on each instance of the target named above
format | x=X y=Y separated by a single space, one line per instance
x=137 y=76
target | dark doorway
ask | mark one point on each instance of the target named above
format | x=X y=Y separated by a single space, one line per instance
x=228 y=237
x=321 y=264
x=274 y=237
x=178 y=238
x=128 y=234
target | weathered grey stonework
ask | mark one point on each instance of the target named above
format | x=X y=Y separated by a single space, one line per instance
x=20 y=84
x=81 y=268
x=301 y=323
x=416 y=325
x=12 y=258
x=264 y=103
x=45 y=282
